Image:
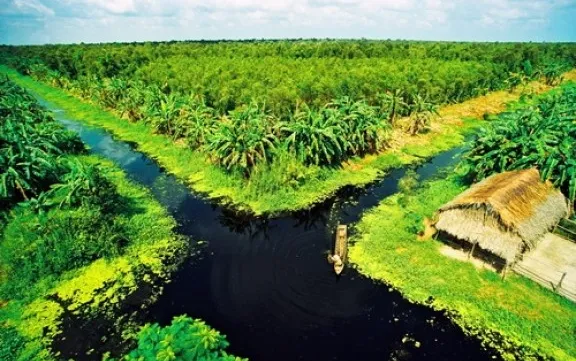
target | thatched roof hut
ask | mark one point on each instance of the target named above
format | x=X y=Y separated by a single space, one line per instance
x=506 y=213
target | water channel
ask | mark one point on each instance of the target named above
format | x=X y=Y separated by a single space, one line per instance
x=266 y=284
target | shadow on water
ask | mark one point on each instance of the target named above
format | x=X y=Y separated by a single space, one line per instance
x=266 y=284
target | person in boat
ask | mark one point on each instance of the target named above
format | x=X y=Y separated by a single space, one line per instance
x=334 y=258
x=338 y=264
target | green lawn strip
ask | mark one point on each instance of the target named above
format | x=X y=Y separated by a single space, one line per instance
x=193 y=168
x=98 y=289
x=516 y=316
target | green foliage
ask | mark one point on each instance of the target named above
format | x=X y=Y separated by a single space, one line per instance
x=341 y=129
x=394 y=104
x=284 y=173
x=184 y=340
x=30 y=144
x=421 y=115
x=36 y=245
x=316 y=137
x=200 y=123
x=283 y=73
x=333 y=95
x=77 y=232
x=539 y=135
x=85 y=185
x=552 y=72
x=243 y=139
x=362 y=129
x=314 y=183
x=12 y=342
x=518 y=317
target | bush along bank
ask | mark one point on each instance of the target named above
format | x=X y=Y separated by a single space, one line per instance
x=289 y=182
x=518 y=317
x=263 y=162
x=77 y=238
x=185 y=339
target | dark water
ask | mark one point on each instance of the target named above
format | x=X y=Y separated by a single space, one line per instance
x=267 y=285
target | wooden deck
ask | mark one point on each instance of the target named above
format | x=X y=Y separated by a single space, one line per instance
x=553 y=265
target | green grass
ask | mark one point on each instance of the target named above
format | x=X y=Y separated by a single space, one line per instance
x=29 y=323
x=299 y=190
x=531 y=319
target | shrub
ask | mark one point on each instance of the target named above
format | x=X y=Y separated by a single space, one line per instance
x=184 y=340
x=41 y=245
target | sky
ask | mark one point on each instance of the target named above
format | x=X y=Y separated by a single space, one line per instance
x=93 y=21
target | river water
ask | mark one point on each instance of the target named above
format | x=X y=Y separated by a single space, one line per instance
x=266 y=283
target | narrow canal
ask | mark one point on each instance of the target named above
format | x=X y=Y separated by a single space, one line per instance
x=266 y=284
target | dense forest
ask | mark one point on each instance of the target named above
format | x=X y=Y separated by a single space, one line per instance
x=256 y=108
x=284 y=74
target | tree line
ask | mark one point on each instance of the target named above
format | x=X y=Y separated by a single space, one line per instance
x=322 y=101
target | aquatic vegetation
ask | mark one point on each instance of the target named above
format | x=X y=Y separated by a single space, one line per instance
x=517 y=317
x=75 y=237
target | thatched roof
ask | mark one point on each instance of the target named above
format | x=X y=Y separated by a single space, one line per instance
x=504 y=213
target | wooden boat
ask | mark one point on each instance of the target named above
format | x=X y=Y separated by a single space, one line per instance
x=340 y=249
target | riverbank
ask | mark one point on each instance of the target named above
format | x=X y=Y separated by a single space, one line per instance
x=518 y=317
x=80 y=244
x=315 y=183
x=31 y=323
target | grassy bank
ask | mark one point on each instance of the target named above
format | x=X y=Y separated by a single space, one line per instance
x=532 y=320
x=77 y=238
x=83 y=249
x=31 y=319
x=300 y=187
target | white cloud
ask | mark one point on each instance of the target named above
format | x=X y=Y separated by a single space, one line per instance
x=33 y=7
x=151 y=19
x=114 y=6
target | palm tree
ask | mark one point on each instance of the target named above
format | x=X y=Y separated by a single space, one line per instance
x=553 y=73
x=164 y=118
x=395 y=104
x=515 y=80
x=524 y=139
x=363 y=130
x=201 y=122
x=316 y=137
x=422 y=113
x=243 y=139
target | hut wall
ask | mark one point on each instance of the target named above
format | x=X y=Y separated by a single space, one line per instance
x=477 y=225
x=544 y=217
